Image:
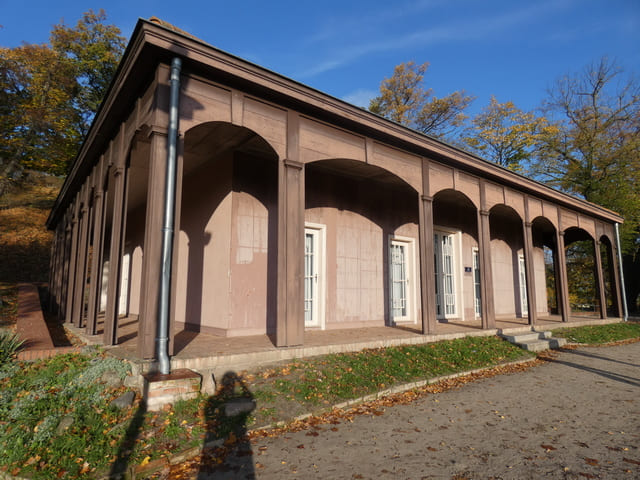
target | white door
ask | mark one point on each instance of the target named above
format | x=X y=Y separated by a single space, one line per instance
x=445 y=275
x=399 y=280
x=476 y=283
x=313 y=276
x=523 y=285
x=124 y=285
x=104 y=286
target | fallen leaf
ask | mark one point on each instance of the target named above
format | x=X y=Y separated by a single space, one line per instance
x=629 y=460
x=145 y=461
x=548 y=448
x=300 y=446
x=591 y=461
x=85 y=468
x=431 y=449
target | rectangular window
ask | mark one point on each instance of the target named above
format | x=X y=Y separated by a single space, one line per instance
x=445 y=248
x=400 y=279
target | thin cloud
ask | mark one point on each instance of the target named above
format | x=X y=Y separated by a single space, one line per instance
x=475 y=29
x=371 y=21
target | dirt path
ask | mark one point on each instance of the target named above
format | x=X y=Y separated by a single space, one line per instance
x=575 y=417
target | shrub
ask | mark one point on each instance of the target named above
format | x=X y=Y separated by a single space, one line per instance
x=9 y=345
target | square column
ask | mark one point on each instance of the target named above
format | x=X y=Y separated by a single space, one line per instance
x=152 y=246
x=486 y=271
x=530 y=274
x=428 y=292
x=73 y=256
x=290 y=311
x=600 y=276
x=119 y=182
x=81 y=263
x=563 y=294
x=64 y=267
x=95 y=283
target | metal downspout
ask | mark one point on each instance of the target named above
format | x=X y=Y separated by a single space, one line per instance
x=162 y=340
x=622 y=289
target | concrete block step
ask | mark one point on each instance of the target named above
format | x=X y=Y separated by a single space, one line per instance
x=535 y=341
x=527 y=337
x=534 y=345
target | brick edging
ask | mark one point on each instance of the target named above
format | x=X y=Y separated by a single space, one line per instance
x=29 y=355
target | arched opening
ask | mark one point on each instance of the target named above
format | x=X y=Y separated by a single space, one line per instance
x=608 y=266
x=508 y=263
x=361 y=235
x=581 y=273
x=131 y=183
x=456 y=257
x=226 y=246
x=546 y=266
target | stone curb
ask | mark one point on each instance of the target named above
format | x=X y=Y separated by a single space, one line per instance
x=397 y=389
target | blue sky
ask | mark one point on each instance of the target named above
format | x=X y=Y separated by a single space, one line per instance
x=510 y=48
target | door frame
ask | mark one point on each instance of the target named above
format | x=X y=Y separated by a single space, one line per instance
x=411 y=280
x=318 y=310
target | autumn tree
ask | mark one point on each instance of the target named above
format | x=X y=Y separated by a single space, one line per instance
x=49 y=94
x=94 y=50
x=404 y=99
x=594 y=149
x=504 y=134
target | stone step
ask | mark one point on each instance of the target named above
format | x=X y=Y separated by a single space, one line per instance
x=542 y=344
x=526 y=337
x=536 y=341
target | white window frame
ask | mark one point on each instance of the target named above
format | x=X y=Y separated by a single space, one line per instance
x=123 y=302
x=522 y=285
x=477 y=281
x=456 y=270
x=320 y=277
x=409 y=244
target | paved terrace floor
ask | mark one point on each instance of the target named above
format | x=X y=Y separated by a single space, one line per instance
x=192 y=348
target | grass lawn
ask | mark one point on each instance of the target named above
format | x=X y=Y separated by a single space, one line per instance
x=56 y=420
x=600 y=334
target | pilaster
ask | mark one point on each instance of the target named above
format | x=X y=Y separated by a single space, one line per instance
x=563 y=294
x=428 y=292
x=600 y=279
x=530 y=273
x=152 y=256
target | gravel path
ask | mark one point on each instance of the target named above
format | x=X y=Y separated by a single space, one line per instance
x=575 y=417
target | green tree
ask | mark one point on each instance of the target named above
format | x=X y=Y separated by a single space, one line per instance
x=594 y=149
x=38 y=126
x=94 y=49
x=49 y=94
x=404 y=99
x=504 y=134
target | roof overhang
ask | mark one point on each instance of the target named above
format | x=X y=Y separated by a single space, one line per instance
x=152 y=44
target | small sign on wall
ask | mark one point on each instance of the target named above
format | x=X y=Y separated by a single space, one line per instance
x=468 y=270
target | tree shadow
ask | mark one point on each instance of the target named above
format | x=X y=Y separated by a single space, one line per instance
x=618 y=377
x=227 y=450
x=119 y=468
x=600 y=357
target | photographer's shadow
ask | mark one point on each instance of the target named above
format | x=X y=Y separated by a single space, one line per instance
x=227 y=451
